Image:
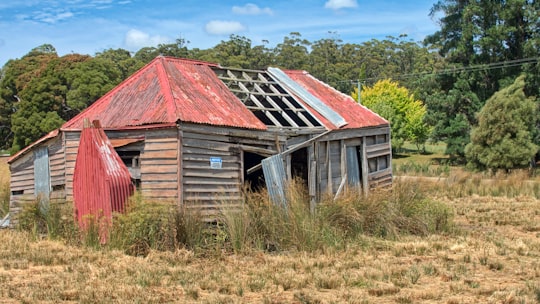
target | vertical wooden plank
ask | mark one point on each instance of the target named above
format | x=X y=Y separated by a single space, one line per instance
x=312 y=176
x=353 y=166
x=179 y=163
x=343 y=159
x=319 y=167
x=328 y=168
x=364 y=165
x=288 y=168
x=242 y=178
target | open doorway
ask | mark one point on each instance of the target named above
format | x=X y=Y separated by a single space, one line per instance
x=299 y=166
x=254 y=180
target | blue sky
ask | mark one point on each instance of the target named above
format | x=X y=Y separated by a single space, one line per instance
x=90 y=26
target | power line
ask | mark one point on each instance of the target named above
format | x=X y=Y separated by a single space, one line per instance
x=489 y=66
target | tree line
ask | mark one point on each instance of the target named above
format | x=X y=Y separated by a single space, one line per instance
x=481 y=48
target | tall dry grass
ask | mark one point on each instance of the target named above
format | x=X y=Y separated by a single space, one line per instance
x=259 y=226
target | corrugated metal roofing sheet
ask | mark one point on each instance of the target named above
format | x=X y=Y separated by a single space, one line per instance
x=308 y=98
x=357 y=116
x=168 y=90
x=101 y=181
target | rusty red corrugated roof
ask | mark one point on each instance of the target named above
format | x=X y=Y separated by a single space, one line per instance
x=168 y=90
x=356 y=115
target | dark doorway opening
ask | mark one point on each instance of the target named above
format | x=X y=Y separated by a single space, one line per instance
x=255 y=179
x=299 y=165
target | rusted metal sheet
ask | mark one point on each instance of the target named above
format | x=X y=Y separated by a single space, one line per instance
x=168 y=90
x=101 y=181
x=335 y=118
x=355 y=114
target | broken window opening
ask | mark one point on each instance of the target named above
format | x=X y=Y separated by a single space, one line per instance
x=131 y=157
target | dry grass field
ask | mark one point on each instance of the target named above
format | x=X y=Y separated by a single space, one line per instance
x=491 y=256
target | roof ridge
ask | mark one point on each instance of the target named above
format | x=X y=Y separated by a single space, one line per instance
x=165 y=84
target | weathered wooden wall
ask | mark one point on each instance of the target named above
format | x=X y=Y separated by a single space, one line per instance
x=22 y=183
x=207 y=189
x=160 y=165
x=331 y=157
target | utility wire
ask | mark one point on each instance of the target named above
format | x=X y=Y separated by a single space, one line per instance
x=489 y=66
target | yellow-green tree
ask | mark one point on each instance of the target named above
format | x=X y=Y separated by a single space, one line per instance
x=400 y=108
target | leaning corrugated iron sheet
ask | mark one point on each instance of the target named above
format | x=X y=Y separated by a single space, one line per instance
x=101 y=182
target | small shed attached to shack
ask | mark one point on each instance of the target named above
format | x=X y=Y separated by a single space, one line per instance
x=195 y=133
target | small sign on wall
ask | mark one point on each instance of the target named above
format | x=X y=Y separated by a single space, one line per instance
x=216 y=163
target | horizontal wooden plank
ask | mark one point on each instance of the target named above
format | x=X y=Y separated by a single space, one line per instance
x=378 y=174
x=159 y=146
x=212 y=173
x=208 y=145
x=159 y=169
x=159 y=154
x=210 y=189
x=203 y=151
x=212 y=198
x=211 y=137
x=226 y=166
x=187 y=157
x=159 y=193
x=232 y=182
x=159 y=185
x=377 y=147
x=158 y=177
x=72 y=144
x=56 y=158
x=22 y=181
x=161 y=133
x=22 y=174
x=159 y=161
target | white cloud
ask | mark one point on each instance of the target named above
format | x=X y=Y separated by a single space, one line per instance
x=339 y=4
x=136 y=39
x=217 y=27
x=251 y=9
x=52 y=17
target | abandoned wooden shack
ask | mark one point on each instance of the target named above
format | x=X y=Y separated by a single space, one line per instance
x=195 y=133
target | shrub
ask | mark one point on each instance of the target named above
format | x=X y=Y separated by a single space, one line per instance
x=53 y=220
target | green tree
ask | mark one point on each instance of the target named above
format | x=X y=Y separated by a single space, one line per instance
x=452 y=114
x=405 y=113
x=503 y=138
x=293 y=52
x=15 y=78
x=472 y=34
x=89 y=81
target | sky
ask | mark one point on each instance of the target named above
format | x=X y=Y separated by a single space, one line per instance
x=91 y=26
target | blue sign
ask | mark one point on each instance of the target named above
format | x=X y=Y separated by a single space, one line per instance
x=216 y=162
